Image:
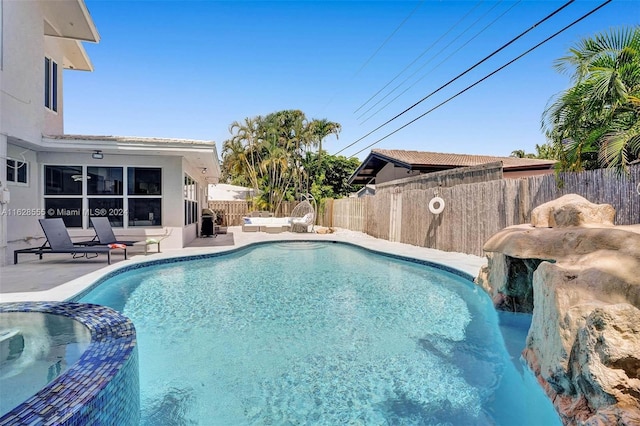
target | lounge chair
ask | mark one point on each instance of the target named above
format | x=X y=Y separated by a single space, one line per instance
x=59 y=241
x=105 y=236
x=104 y=233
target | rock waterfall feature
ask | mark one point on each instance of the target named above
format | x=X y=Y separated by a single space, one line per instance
x=579 y=275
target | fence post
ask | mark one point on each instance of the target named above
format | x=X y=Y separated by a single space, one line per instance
x=525 y=201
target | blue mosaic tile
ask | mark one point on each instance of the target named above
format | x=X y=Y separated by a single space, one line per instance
x=156 y=262
x=102 y=387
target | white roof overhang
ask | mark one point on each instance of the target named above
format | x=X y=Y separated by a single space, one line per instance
x=69 y=22
x=69 y=19
x=75 y=57
x=200 y=154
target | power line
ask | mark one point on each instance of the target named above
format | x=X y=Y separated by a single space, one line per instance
x=436 y=67
x=379 y=48
x=433 y=57
x=389 y=38
x=462 y=74
x=419 y=56
x=485 y=77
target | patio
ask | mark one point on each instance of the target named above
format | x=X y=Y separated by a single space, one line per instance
x=59 y=277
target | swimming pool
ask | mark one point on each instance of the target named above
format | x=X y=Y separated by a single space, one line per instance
x=319 y=333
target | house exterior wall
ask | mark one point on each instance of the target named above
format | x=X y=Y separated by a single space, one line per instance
x=192 y=231
x=25 y=198
x=3 y=204
x=21 y=101
x=22 y=70
x=53 y=120
x=24 y=120
x=390 y=172
x=24 y=230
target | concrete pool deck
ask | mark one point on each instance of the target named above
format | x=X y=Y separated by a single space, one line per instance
x=57 y=277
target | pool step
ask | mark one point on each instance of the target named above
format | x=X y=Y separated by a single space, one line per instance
x=11 y=345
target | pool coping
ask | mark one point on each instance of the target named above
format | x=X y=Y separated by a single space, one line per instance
x=187 y=258
x=463 y=265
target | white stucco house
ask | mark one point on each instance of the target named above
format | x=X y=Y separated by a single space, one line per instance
x=146 y=186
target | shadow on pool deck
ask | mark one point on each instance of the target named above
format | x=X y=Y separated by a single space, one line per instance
x=218 y=240
x=33 y=274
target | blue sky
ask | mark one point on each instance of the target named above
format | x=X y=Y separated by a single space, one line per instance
x=188 y=69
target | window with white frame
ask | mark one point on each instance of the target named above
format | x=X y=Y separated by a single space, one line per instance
x=190 y=200
x=128 y=199
x=17 y=171
x=50 y=84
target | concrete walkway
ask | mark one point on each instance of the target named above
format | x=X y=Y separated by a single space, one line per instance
x=57 y=277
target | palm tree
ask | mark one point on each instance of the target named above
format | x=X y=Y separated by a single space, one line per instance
x=268 y=153
x=596 y=122
x=520 y=153
x=245 y=138
x=319 y=130
x=546 y=151
x=234 y=164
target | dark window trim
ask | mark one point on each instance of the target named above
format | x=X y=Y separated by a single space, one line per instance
x=125 y=198
x=50 y=84
x=17 y=164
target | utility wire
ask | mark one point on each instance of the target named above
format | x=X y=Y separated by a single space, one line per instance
x=436 y=67
x=486 y=77
x=428 y=61
x=419 y=56
x=379 y=48
x=389 y=38
x=463 y=73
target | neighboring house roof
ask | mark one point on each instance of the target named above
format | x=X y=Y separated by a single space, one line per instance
x=367 y=189
x=425 y=162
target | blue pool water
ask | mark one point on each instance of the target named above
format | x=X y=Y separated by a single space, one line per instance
x=35 y=348
x=319 y=333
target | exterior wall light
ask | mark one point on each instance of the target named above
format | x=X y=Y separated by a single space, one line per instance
x=97 y=155
x=204 y=171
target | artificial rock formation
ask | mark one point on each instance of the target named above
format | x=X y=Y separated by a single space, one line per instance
x=580 y=276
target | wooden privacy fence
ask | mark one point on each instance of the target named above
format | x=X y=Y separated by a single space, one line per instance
x=285 y=209
x=233 y=211
x=475 y=211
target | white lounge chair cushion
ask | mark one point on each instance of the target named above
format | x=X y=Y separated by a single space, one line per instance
x=304 y=220
x=264 y=221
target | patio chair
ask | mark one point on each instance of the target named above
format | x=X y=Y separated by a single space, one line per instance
x=105 y=236
x=104 y=233
x=302 y=217
x=59 y=241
